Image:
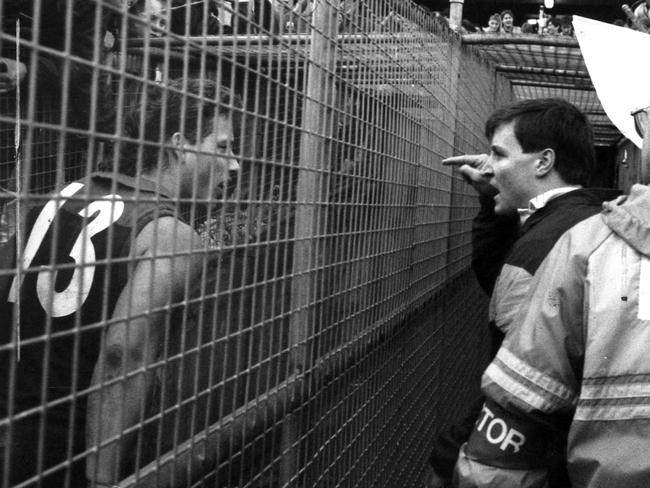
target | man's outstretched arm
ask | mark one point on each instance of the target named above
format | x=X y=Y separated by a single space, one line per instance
x=492 y=235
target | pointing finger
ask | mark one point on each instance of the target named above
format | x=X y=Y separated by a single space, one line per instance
x=473 y=160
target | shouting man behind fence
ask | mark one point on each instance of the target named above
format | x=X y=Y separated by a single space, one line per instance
x=576 y=358
x=104 y=261
x=531 y=189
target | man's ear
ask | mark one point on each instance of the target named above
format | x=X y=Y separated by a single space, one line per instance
x=178 y=141
x=546 y=162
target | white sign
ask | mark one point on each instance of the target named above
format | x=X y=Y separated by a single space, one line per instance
x=617 y=60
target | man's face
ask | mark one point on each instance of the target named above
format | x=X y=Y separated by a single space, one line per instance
x=507 y=20
x=511 y=171
x=208 y=163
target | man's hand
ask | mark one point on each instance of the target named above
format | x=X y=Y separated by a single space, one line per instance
x=475 y=171
x=11 y=74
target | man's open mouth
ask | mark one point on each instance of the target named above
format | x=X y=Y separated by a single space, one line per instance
x=226 y=190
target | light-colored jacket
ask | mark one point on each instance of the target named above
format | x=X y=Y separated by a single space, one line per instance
x=581 y=348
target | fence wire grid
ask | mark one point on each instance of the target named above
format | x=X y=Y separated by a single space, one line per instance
x=230 y=254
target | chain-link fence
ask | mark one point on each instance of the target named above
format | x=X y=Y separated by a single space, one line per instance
x=231 y=254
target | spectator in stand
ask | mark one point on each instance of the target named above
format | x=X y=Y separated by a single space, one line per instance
x=528 y=28
x=152 y=22
x=494 y=24
x=54 y=155
x=11 y=74
x=552 y=27
x=294 y=16
x=642 y=9
x=508 y=23
x=467 y=27
x=639 y=18
x=153 y=17
x=50 y=70
x=566 y=27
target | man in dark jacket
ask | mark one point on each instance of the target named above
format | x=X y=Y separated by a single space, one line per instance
x=575 y=359
x=531 y=190
x=103 y=263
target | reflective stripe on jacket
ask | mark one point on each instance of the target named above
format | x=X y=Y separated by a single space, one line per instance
x=581 y=347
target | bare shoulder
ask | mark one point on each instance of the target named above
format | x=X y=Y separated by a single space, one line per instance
x=166 y=235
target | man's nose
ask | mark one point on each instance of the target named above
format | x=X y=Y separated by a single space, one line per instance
x=487 y=171
x=233 y=163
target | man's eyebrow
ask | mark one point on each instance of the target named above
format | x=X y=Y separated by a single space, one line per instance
x=498 y=149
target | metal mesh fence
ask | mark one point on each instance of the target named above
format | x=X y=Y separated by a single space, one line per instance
x=231 y=256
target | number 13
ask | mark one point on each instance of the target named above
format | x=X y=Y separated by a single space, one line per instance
x=60 y=304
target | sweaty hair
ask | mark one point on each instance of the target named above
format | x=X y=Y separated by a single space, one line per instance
x=174 y=107
x=551 y=123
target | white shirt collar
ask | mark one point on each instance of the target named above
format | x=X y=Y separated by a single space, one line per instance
x=542 y=199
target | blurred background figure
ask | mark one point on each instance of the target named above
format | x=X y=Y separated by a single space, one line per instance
x=293 y=16
x=566 y=27
x=153 y=15
x=638 y=15
x=508 y=23
x=11 y=73
x=467 y=27
x=494 y=24
x=350 y=17
x=54 y=79
x=528 y=28
x=553 y=27
x=642 y=9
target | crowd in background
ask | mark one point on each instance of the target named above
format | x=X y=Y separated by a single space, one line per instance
x=504 y=23
x=637 y=17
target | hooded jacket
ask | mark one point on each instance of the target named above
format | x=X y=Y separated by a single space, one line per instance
x=505 y=256
x=577 y=357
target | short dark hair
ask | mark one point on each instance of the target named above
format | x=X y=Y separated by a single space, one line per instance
x=551 y=123
x=507 y=11
x=184 y=106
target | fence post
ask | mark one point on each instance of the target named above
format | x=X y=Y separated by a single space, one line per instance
x=455 y=13
x=311 y=191
x=456 y=54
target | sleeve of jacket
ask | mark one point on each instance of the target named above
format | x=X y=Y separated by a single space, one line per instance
x=532 y=384
x=492 y=238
